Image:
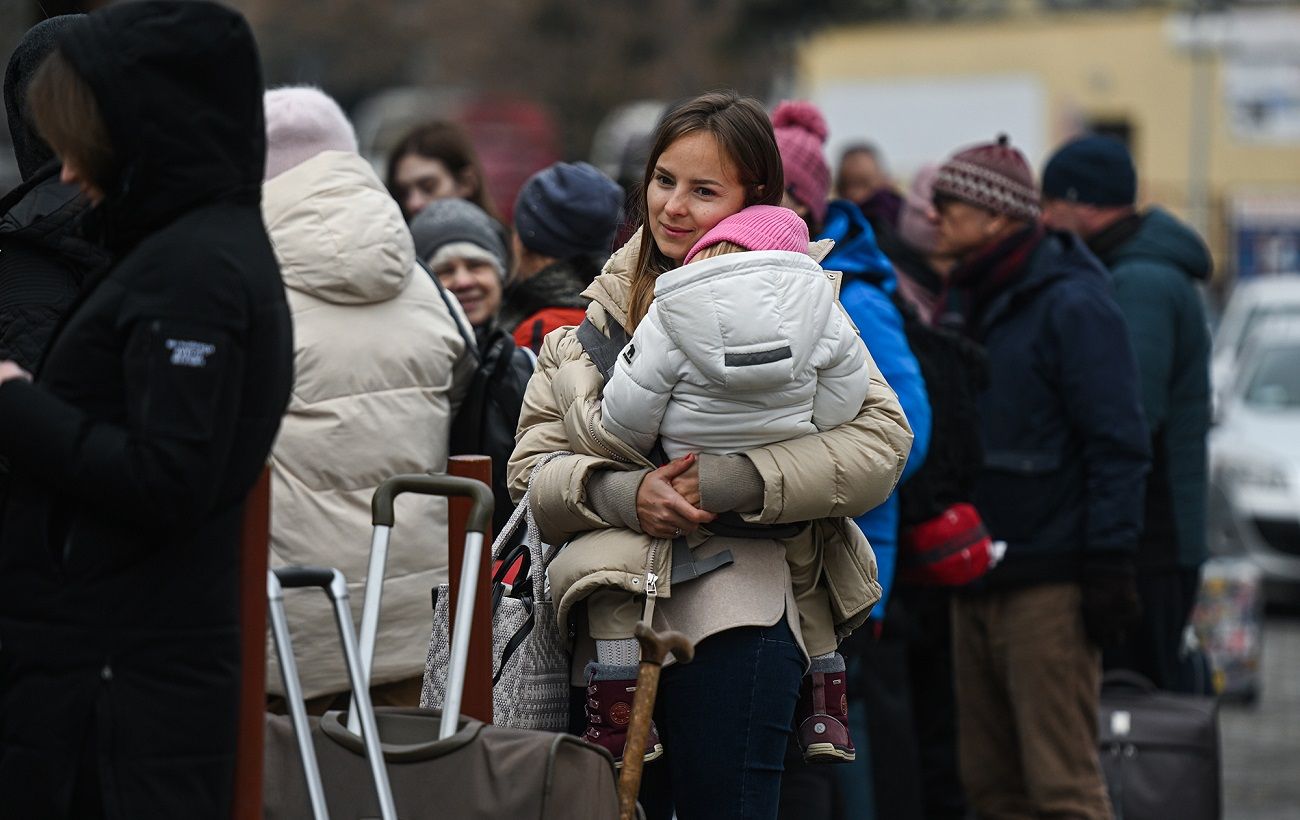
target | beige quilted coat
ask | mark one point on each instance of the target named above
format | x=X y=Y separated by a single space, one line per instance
x=375 y=352
x=823 y=477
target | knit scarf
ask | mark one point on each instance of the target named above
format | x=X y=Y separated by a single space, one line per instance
x=993 y=270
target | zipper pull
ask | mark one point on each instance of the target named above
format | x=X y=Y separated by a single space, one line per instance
x=651 y=592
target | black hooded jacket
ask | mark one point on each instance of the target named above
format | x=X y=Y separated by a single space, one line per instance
x=151 y=417
x=44 y=259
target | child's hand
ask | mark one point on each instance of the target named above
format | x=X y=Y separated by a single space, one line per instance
x=687 y=484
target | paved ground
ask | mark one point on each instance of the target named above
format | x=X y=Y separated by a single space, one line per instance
x=1261 y=743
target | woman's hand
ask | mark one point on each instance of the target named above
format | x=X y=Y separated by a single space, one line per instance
x=661 y=510
x=10 y=370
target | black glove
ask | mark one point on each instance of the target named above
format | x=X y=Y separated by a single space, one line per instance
x=1110 y=598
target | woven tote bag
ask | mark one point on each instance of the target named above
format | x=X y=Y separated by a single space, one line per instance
x=530 y=684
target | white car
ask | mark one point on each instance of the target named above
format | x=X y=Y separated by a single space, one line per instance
x=1255 y=455
x=1253 y=302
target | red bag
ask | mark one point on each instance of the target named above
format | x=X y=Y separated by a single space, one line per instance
x=952 y=549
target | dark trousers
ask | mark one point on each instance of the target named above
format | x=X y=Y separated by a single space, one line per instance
x=724 y=720
x=934 y=703
x=885 y=781
x=1152 y=649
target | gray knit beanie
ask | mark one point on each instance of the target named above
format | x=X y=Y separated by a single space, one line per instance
x=445 y=221
x=569 y=209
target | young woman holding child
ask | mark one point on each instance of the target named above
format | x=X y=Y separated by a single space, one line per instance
x=724 y=718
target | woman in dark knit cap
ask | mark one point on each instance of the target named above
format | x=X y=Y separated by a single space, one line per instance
x=565 y=220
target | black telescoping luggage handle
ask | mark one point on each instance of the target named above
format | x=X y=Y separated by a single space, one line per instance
x=300 y=577
x=480 y=515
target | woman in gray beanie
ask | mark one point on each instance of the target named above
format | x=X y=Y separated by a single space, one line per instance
x=565 y=220
x=459 y=241
x=460 y=244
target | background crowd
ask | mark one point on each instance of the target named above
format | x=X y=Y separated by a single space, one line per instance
x=189 y=267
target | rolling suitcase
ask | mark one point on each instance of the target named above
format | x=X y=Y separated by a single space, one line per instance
x=439 y=764
x=1159 y=751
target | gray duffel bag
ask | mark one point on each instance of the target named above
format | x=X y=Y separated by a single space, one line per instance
x=481 y=771
x=1159 y=751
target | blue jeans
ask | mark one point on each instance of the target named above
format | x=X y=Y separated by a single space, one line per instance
x=724 y=720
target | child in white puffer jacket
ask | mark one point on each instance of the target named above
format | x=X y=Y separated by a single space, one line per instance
x=745 y=345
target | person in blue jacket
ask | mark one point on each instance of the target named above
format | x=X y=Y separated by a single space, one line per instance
x=869 y=282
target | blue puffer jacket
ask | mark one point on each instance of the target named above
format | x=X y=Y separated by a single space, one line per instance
x=1065 y=443
x=868 y=282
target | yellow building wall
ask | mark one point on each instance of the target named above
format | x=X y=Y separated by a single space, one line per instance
x=1117 y=64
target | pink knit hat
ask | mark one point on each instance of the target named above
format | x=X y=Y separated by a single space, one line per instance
x=758 y=228
x=301 y=122
x=800 y=134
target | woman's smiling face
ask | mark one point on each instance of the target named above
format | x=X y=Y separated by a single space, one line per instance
x=694 y=187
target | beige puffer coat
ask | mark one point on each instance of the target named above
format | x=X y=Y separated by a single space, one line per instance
x=376 y=351
x=822 y=477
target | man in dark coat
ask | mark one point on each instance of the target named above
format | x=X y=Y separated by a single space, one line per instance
x=1065 y=458
x=150 y=419
x=1156 y=266
x=566 y=216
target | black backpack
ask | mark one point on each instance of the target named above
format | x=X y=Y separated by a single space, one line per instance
x=955 y=371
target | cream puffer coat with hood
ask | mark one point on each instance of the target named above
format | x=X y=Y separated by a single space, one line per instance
x=378 y=361
x=823 y=478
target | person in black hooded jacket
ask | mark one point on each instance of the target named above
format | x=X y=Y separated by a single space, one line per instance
x=43 y=256
x=150 y=419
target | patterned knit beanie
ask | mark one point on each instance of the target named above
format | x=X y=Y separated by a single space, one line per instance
x=301 y=122
x=800 y=134
x=993 y=176
x=758 y=228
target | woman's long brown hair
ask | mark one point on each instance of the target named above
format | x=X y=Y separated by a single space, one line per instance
x=744 y=132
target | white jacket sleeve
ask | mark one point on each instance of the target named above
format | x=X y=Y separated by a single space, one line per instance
x=843 y=377
x=641 y=385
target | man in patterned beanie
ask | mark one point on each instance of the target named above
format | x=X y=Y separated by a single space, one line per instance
x=1065 y=458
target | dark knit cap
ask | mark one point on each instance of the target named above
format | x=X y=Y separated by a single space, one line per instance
x=569 y=209
x=994 y=176
x=30 y=150
x=1091 y=170
x=445 y=221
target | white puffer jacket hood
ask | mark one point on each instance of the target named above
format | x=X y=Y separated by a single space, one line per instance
x=337 y=232
x=737 y=352
x=710 y=310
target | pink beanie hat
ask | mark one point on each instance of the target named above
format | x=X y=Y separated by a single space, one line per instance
x=758 y=228
x=301 y=122
x=800 y=134
x=914 y=225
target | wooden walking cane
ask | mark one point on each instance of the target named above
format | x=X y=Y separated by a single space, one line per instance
x=654 y=651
